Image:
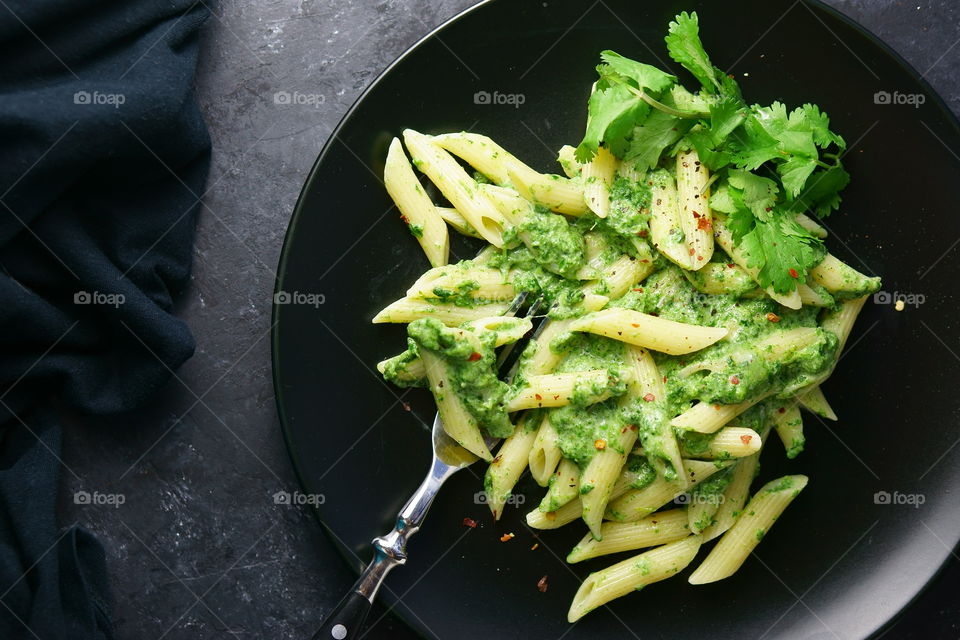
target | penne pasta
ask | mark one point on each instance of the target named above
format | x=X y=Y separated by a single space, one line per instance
x=457 y=421
x=409 y=309
x=456 y=185
x=564 y=486
x=749 y=529
x=559 y=389
x=635 y=504
x=418 y=212
x=656 y=529
x=696 y=221
x=509 y=463
x=648 y=331
x=666 y=230
x=632 y=574
x=597 y=178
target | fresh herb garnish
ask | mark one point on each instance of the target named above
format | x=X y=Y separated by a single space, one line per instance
x=769 y=163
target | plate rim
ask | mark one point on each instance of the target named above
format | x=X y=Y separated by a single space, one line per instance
x=950 y=119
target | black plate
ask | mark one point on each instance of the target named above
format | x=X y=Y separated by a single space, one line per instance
x=838 y=563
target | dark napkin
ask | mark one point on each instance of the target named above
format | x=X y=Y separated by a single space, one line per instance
x=103 y=156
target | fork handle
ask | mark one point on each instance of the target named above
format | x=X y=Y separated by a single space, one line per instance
x=346 y=620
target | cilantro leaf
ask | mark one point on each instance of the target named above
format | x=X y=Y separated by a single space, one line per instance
x=795 y=171
x=822 y=193
x=657 y=132
x=782 y=250
x=753 y=146
x=645 y=75
x=684 y=46
x=759 y=194
x=612 y=113
x=810 y=118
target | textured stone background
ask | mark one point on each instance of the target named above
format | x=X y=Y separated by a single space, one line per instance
x=199 y=549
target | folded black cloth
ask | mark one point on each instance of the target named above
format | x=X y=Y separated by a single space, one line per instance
x=103 y=156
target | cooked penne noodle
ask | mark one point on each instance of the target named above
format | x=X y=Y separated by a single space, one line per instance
x=643 y=330
x=620 y=276
x=696 y=221
x=639 y=503
x=415 y=206
x=719 y=279
x=729 y=442
x=568 y=161
x=597 y=179
x=559 y=389
x=658 y=438
x=629 y=170
x=453 y=218
x=553 y=192
x=840 y=321
x=789 y=426
x=457 y=421
x=485 y=155
x=479 y=283
x=632 y=574
x=815 y=296
x=509 y=463
x=656 y=529
x=545 y=453
x=408 y=309
x=456 y=185
x=564 y=486
x=811 y=225
x=840 y=278
x=734 y=497
x=666 y=231
x=707 y=418
x=749 y=529
x=815 y=402
x=600 y=476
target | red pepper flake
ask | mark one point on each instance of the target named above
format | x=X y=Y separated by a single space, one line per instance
x=664 y=378
x=556 y=397
x=542 y=584
x=474 y=357
x=794 y=274
x=643 y=234
x=599 y=444
x=538 y=396
x=649 y=397
x=634 y=325
x=746 y=439
x=406 y=406
x=507 y=537
x=731 y=264
x=534 y=547
x=768 y=209
x=405 y=219
x=782 y=410
x=734 y=380
x=691 y=251
x=639 y=289
x=772 y=317
x=470 y=522
x=703 y=223
x=716 y=407
x=633 y=427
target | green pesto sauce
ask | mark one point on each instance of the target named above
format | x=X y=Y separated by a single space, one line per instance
x=472 y=372
x=556 y=245
x=579 y=428
x=641 y=471
x=416 y=230
x=461 y=295
x=396 y=370
x=739 y=372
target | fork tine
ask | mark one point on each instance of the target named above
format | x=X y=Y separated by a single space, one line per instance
x=510 y=355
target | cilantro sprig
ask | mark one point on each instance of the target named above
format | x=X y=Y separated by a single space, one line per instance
x=769 y=163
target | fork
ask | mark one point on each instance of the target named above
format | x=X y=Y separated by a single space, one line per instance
x=346 y=620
